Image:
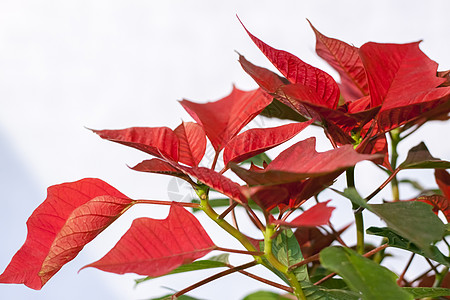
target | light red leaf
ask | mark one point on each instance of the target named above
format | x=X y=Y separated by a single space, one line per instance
x=301 y=161
x=157 y=141
x=345 y=59
x=255 y=141
x=316 y=81
x=400 y=75
x=192 y=145
x=155 y=247
x=317 y=215
x=223 y=119
x=72 y=215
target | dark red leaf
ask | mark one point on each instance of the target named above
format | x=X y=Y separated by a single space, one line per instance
x=216 y=181
x=344 y=58
x=255 y=141
x=317 y=215
x=400 y=75
x=439 y=203
x=443 y=181
x=266 y=79
x=314 y=80
x=266 y=197
x=155 y=247
x=192 y=145
x=312 y=240
x=158 y=166
x=72 y=215
x=222 y=120
x=301 y=161
x=157 y=141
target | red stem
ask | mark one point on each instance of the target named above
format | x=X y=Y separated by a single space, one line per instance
x=162 y=202
x=256 y=253
x=212 y=278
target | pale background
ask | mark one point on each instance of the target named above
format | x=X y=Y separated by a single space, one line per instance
x=67 y=65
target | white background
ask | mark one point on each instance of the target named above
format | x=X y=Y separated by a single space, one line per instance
x=67 y=65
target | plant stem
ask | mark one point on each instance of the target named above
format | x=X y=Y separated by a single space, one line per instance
x=266 y=281
x=163 y=202
x=359 y=220
x=206 y=207
x=214 y=277
x=257 y=253
x=295 y=284
x=395 y=140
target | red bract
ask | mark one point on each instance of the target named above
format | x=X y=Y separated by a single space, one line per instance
x=255 y=141
x=301 y=161
x=317 y=86
x=222 y=120
x=72 y=215
x=317 y=215
x=157 y=141
x=392 y=84
x=155 y=247
x=344 y=58
x=192 y=145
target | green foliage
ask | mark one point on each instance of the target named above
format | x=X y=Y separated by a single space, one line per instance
x=363 y=275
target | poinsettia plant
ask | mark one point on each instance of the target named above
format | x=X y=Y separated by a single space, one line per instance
x=386 y=92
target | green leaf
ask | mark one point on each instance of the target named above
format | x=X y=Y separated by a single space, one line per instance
x=313 y=292
x=421 y=292
x=363 y=275
x=258 y=159
x=264 y=295
x=395 y=240
x=413 y=220
x=420 y=158
x=286 y=249
x=218 y=261
x=353 y=195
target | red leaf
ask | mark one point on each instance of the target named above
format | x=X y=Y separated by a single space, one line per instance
x=317 y=215
x=439 y=203
x=158 y=166
x=222 y=120
x=312 y=240
x=155 y=247
x=300 y=161
x=157 y=141
x=255 y=141
x=266 y=197
x=443 y=181
x=216 y=181
x=266 y=79
x=192 y=145
x=400 y=75
x=344 y=58
x=72 y=215
x=295 y=70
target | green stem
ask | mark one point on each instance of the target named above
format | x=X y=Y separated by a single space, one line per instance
x=359 y=220
x=395 y=140
x=206 y=207
x=295 y=284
